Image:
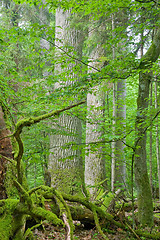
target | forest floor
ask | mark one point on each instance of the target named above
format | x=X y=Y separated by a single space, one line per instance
x=56 y=233
x=48 y=231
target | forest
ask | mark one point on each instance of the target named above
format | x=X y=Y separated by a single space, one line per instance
x=79 y=119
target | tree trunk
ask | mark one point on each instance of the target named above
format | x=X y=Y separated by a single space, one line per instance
x=95 y=172
x=150 y=145
x=120 y=130
x=145 y=206
x=113 y=165
x=65 y=162
x=94 y=159
x=118 y=169
x=157 y=141
x=43 y=11
x=5 y=151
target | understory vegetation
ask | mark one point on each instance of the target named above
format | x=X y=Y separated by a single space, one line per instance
x=79 y=119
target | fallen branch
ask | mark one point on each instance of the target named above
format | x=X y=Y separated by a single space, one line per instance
x=68 y=229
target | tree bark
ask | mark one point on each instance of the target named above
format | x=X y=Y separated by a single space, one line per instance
x=65 y=162
x=157 y=141
x=113 y=165
x=5 y=151
x=118 y=168
x=95 y=172
x=150 y=145
x=120 y=130
x=94 y=159
x=145 y=206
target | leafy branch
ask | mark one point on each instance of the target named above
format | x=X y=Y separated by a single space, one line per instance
x=28 y=122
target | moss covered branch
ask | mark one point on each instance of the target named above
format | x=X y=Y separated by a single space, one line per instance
x=66 y=213
x=153 y=52
x=33 y=120
x=27 y=206
x=26 y=123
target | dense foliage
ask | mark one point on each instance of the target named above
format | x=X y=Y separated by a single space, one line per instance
x=29 y=54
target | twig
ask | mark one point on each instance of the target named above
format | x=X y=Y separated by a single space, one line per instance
x=97 y=223
x=66 y=215
x=8 y=136
x=132 y=231
x=8 y=159
x=68 y=229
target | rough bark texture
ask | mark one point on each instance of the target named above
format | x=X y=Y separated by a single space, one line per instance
x=94 y=159
x=65 y=162
x=145 y=206
x=5 y=150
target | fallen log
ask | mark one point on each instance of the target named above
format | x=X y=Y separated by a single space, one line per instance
x=83 y=209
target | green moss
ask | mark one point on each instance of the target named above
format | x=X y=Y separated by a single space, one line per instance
x=68 y=181
x=29 y=234
x=107 y=200
x=24 y=122
x=67 y=211
x=148 y=235
x=97 y=222
x=19 y=226
x=145 y=206
x=7 y=208
x=10 y=177
x=38 y=199
x=148 y=58
x=44 y=214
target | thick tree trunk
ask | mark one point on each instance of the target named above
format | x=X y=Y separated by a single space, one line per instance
x=65 y=161
x=94 y=159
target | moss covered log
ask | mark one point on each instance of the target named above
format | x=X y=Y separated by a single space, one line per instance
x=13 y=214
